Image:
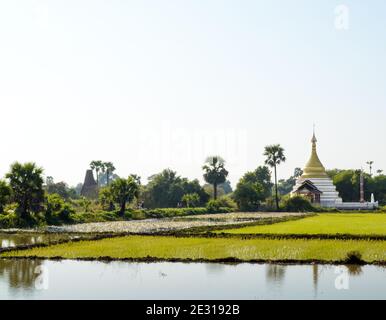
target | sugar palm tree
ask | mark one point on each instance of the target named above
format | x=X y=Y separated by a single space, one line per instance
x=109 y=168
x=215 y=172
x=97 y=165
x=274 y=156
x=370 y=163
x=124 y=191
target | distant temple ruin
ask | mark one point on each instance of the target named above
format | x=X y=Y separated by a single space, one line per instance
x=90 y=186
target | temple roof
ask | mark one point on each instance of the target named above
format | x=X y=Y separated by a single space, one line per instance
x=314 y=167
x=307 y=184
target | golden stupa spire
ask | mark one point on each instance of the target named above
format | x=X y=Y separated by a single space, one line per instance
x=314 y=167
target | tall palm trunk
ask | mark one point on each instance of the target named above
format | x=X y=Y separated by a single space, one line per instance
x=276 y=193
x=123 y=209
x=215 y=191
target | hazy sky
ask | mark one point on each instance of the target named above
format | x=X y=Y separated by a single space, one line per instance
x=156 y=84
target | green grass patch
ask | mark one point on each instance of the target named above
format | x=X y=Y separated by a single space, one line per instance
x=322 y=224
x=211 y=249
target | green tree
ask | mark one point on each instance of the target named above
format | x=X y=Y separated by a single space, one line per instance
x=370 y=163
x=124 y=191
x=106 y=198
x=60 y=188
x=26 y=182
x=253 y=188
x=248 y=195
x=57 y=210
x=85 y=204
x=222 y=189
x=215 y=172
x=166 y=189
x=286 y=186
x=380 y=189
x=108 y=168
x=191 y=200
x=97 y=166
x=274 y=156
x=262 y=175
x=5 y=194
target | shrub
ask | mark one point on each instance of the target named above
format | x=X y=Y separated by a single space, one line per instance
x=57 y=210
x=297 y=204
x=227 y=202
x=173 y=212
x=9 y=220
x=354 y=257
x=5 y=194
x=221 y=205
x=191 y=200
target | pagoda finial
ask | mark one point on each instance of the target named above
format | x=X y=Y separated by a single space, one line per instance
x=314 y=140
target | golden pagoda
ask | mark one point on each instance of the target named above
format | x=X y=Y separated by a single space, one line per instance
x=314 y=167
x=315 y=183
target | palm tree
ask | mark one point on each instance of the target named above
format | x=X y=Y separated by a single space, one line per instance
x=370 y=163
x=124 y=191
x=97 y=165
x=215 y=172
x=109 y=168
x=379 y=172
x=26 y=182
x=274 y=156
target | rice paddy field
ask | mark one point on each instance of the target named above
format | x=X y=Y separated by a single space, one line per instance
x=233 y=245
x=210 y=249
x=323 y=224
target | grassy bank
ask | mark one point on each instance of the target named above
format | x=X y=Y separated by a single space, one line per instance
x=322 y=224
x=211 y=249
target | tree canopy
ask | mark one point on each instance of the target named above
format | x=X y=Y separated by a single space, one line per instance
x=253 y=188
x=166 y=189
x=26 y=182
x=215 y=172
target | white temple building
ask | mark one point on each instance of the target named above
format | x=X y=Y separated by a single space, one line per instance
x=316 y=185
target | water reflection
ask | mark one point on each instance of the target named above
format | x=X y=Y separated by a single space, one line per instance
x=275 y=273
x=354 y=270
x=121 y=280
x=19 y=273
x=8 y=240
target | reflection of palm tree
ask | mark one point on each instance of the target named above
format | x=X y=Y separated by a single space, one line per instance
x=315 y=276
x=21 y=273
x=275 y=273
x=215 y=268
x=354 y=269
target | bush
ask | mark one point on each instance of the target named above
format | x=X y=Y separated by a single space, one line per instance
x=220 y=206
x=354 y=257
x=9 y=220
x=227 y=202
x=173 y=212
x=57 y=210
x=297 y=204
x=191 y=200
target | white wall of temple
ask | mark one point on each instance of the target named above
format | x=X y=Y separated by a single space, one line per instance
x=330 y=197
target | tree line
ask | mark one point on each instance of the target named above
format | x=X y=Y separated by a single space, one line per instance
x=25 y=194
